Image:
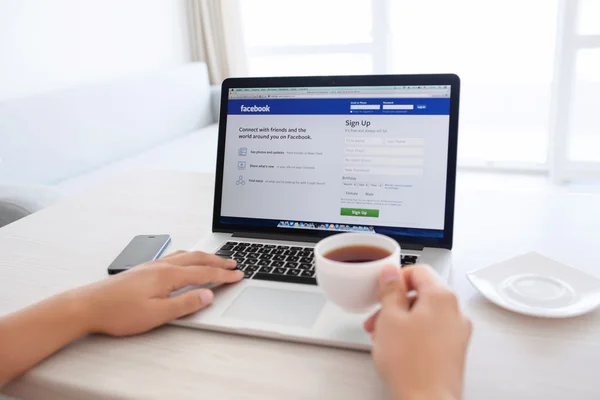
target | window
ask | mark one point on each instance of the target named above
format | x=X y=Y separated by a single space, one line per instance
x=530 y=69
x=575 y=124
x=293 y=38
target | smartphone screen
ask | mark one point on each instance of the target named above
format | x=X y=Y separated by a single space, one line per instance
x=141 y=249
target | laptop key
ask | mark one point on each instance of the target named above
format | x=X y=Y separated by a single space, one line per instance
x=307 y=273
x=263 y=262
x=305 y=266
x=278 y=258
x=293 y=259
x=304 y=253
x=277 y=251
x=289 y=253
x=269 y=246
x=265 y=256
x=252 y=255
x=277 y=264
x=248 y=274
x=279 y=270
x=304 y=280
x=297 y=248
x=295 y=272
x=291 y=265
x=306 y=259
x=238 y=258
x=224 y=253
x=408 y=260
x=251 y=268
x=266 y=270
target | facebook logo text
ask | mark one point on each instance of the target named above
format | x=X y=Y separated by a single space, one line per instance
x=255 y=108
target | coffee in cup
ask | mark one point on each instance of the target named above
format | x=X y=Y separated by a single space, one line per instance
x=357 y=254
x=348 y=267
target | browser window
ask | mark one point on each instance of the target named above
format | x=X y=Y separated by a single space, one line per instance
x=338 y=158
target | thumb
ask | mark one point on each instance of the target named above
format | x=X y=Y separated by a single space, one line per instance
x=186 y=303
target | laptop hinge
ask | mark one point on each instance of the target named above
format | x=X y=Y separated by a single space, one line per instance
x=308 y=239
x=274 y=236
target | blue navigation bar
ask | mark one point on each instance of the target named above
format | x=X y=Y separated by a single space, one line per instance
x=329 y=106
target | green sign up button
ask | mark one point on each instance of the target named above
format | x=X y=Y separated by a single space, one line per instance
x=359 y=212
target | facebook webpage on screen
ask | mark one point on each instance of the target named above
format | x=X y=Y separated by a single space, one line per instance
x=368 y=158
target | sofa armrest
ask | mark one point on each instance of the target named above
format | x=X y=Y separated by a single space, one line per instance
x=18 y=201
x=215 y=101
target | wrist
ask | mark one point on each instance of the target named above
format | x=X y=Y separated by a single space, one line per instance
x=77 y=309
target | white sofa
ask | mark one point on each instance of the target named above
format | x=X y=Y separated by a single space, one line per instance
x=63 y=142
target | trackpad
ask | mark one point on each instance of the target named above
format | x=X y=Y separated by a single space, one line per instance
x=276 y=306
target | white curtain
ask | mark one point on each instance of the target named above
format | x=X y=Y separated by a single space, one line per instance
x=215 y=37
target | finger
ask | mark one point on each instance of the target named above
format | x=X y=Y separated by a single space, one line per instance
x=175 y=253
x=369 y=324
x=392 y=289
x=200 y=258
x=184 y=304
x=421 y=277
x=181 y=277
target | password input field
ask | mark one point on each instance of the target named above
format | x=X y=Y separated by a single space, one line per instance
x=365 y=106
x=398 y=106
x=366 y=161
x=383 y=171
x=384 y=151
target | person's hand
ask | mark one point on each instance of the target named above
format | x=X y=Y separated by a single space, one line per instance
x=139 y=299
x=419 y=343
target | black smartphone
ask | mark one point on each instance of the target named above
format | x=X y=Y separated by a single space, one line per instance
x=141 y=249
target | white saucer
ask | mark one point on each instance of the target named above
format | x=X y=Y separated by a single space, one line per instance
x=535 y=285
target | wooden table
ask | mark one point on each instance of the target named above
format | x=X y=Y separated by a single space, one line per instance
x=511 y=356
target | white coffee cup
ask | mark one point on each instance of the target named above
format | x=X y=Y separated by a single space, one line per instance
x=353 y=286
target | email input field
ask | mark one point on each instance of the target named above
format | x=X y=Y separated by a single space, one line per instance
x=364 y=161
x=385 y=151
x=365 y=106
x=383 y=171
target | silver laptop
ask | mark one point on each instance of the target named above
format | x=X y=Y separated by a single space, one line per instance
x=306 y=157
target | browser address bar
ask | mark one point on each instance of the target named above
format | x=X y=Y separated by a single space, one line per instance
x=343 y=96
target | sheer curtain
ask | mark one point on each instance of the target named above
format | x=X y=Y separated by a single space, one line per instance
x=530 y=69
x=215 y=37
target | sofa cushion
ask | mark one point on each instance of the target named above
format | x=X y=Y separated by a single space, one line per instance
x=50 y=137
x=195 y=151
x=18 y=201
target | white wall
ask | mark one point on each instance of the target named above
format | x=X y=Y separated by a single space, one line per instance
x=50 y=44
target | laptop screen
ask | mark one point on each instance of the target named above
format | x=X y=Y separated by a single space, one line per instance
x=356 y=158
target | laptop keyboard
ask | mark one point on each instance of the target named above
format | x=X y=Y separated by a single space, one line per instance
x=269 y=262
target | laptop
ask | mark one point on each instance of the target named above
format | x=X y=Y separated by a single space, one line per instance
x=302 y=158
